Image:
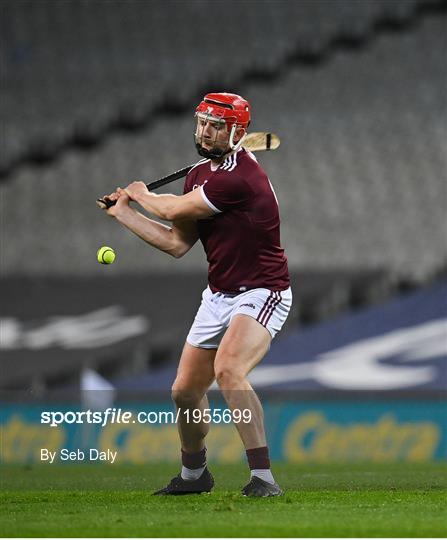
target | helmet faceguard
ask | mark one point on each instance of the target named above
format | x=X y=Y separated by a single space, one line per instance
x=218 y=147
x=229 y=110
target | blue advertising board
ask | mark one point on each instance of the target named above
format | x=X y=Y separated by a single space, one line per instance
x=314 y=431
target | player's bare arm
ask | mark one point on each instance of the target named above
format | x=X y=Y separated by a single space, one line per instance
x=169 y=207
x=175 y=240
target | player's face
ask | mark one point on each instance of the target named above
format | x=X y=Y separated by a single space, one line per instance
x=212 y=133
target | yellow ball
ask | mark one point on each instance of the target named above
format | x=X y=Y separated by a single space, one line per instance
x=105 y=255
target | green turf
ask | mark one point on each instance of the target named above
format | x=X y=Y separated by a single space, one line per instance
x=321 y=500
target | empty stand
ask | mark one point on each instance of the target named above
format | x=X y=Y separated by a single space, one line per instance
x=360 y=174
x=76 y=70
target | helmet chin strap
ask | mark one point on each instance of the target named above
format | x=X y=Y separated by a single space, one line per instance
x=235 y=146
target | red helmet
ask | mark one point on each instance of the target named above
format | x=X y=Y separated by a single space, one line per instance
x=232 y=108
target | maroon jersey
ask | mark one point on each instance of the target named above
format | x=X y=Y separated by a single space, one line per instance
x=242 y=239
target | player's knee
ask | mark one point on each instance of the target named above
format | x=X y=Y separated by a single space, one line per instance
x=184 y=397
x=228 y=377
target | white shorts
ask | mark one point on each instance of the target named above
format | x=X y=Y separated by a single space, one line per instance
x=269 y=308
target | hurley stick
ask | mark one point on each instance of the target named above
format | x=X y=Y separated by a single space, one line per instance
x=255 y=142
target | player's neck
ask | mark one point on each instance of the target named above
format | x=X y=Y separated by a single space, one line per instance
x=216 y=162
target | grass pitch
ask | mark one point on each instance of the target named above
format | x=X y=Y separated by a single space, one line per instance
x=321 y=500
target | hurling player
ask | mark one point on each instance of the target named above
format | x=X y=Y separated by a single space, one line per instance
x=229 y=204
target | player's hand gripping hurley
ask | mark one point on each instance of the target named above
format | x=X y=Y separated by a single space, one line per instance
x=255 y=142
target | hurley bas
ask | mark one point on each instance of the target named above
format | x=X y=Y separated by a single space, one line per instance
x=93 y=454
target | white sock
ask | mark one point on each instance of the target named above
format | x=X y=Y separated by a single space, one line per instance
x=263 y=474
x=192 y=474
